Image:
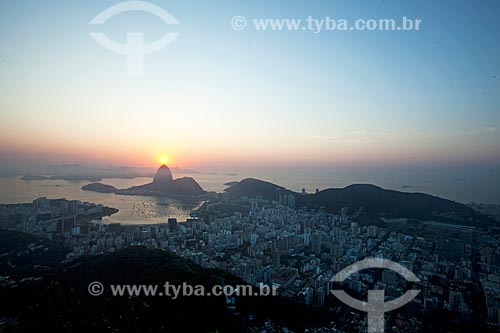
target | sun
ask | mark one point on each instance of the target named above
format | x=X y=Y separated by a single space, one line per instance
x=163 y=159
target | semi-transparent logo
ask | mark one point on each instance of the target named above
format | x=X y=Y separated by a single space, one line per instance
x=134 y=48
x=375 y=306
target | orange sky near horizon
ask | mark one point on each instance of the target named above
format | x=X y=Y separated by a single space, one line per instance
x=209 y=153
x=250 y=98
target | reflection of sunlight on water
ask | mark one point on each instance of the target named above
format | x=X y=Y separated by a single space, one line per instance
x=132 y=209
x=148 y=210
x=463 y=187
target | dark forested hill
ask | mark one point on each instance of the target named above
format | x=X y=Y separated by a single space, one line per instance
x=59 y=301
x=369 y=200
x=251 y=187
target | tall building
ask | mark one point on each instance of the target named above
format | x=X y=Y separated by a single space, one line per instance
x=172 y=224
x=73 y=207
x=316 y=243
x=343 y=212
x=277 y=258
x=279 y=192
x=336 y=249
x=372 y=231
x=291 y=201
x=319 y=297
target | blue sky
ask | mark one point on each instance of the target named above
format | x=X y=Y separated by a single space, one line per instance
x=217 y=95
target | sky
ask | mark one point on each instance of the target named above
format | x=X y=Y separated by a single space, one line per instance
x=217 y=96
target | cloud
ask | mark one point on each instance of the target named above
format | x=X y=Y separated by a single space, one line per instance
x=489 y=130
x=483 y=130
x=351 y=137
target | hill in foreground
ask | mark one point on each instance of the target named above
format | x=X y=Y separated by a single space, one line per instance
x=57 y=299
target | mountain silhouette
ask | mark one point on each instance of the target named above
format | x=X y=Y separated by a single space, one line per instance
x=163 y=176
x=369 y=200
x=164 y=184
x=251 y=187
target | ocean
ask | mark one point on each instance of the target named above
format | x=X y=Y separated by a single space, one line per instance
x=478 y=187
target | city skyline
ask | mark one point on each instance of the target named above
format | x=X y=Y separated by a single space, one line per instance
x=327 y=166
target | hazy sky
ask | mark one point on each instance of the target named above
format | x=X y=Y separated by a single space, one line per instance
x=219 y=96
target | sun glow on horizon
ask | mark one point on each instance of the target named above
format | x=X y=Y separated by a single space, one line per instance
x=164 y=159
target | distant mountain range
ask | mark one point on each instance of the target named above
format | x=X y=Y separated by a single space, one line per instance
x=69 y=177
x=80 y=172
x=368 y=200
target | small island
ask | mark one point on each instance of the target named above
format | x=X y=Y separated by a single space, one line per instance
x=70 y=177
x=100 y=188
x=34 y=177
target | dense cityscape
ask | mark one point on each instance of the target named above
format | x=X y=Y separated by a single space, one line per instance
x=275 y=243
x=259 y=166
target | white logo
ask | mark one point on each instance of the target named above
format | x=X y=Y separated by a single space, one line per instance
x=134 y=49
x=375 y=307
x=95 y=288
x=238 y=23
